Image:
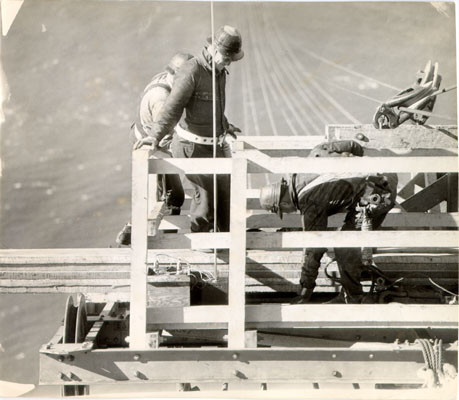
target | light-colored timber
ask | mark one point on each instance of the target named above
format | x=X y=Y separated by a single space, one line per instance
x=134 y=295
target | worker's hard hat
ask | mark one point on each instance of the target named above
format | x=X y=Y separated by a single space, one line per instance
x=270 y=196
x=177 y=61
x=228 y=41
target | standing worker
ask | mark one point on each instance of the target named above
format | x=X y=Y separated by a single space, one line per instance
x=193 y=92
x=319 y=196
x=154 y=96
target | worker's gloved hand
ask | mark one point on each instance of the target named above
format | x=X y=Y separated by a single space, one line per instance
x=231 y=130
x=146 y=141
x=337 y=148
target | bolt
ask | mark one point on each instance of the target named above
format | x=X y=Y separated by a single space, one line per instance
x=235 y=356
x=61 y=358
x=360 y=136
x=236 y=372
x=137 y=374
x=371 y=356
x=335 y=373
x=136 y=357
x=333 y=355
x=225 y=387
x=71 y=357
x=358 y=337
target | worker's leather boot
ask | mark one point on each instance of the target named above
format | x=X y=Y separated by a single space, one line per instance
x=304 y=297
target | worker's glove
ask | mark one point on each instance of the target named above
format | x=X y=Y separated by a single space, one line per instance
x=231 y=130
x=165 y=142
x=146 y=141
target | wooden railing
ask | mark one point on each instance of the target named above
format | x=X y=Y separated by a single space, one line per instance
x=250 y=158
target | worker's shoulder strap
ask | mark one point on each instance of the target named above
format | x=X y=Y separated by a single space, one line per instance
x=158 y=80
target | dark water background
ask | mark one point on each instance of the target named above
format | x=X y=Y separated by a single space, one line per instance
x=76 y=69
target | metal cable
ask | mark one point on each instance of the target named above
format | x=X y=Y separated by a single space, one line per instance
x=214 y=128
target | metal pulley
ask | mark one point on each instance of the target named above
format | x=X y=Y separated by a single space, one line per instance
x=75 y=320
x=414 y=103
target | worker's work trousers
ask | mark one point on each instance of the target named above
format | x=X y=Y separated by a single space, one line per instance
x=349 y=260
x=202 y=203
x=169 y=188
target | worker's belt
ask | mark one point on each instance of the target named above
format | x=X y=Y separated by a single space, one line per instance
x=191 y=137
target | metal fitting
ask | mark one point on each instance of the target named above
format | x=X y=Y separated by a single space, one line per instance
x=136 y=357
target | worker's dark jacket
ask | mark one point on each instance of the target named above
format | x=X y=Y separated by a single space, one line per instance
x=320 y=196
x=192 y=92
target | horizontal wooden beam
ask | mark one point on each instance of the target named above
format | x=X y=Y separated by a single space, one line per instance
x=305 y=142
x=247 y=369
x=428 y=197
x=405 y=136
x=107 y=259
x=309 y=315
x=265 y=240
x=261 y=163
x=264 y=219
x=190 y=166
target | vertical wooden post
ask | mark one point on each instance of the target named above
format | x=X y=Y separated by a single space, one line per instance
x=139 y=250
x=237 y=254
x=452 y=198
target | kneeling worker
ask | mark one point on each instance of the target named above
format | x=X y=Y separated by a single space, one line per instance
x=319 y=196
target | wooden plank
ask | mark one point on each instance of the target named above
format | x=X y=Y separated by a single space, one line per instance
x=428 y=197
x=261 y=163
x=236 y=284
x=452 y=196
x=56 y=280
x=190 y=166
x=276 y=240
x=21 y=263
x=155 y=216
x=405 y=136
x=374 y=363
x=202 y=240
x=393 y=220
x=138 y=303
x=409 y=189
x=97 y=327
x=281 y=142
x=310 y=315
x=65 y=256
x=265 y=219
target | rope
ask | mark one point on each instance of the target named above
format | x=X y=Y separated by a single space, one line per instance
x=433 y=358
x=197 y=277
x=214 y=127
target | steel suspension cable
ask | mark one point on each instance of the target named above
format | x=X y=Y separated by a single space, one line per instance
x=214 y=127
